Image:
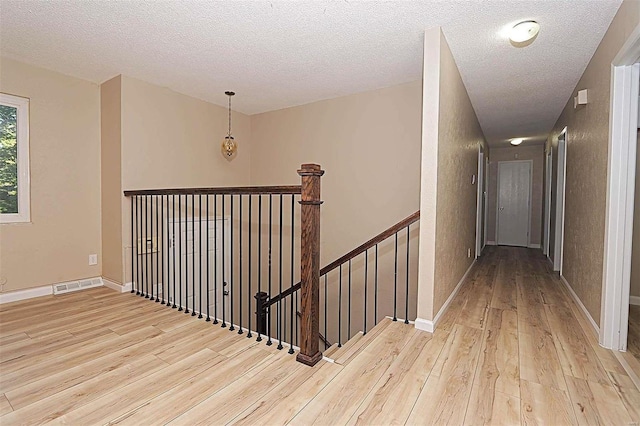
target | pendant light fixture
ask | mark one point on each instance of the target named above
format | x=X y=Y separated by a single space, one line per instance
x=229 y=147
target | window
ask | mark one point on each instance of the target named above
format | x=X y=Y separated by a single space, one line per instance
x=14 y=159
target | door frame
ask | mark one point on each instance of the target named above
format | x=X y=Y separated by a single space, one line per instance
x=561 y=188
x=547 y=201
x=479 y=203
x=623 y=121
x=498 y=200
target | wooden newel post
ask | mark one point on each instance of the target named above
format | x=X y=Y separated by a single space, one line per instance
x=310 y=264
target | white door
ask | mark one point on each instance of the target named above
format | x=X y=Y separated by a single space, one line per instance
x=191 y=250
x=514 y=193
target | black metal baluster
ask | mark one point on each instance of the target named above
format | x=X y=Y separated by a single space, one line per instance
x=395 y=281
x=200 y=254
x=207 y=255
x=139 y=260
x=193 y=257
x=215 y=258
x=375 y=291
x=326 y=296
x=231 y=327
x=240 y=261
x=146 y=246
x=162 y=247
x=249 y=335
x=153 y=285
x=259 y=324
x=406 y=296
x=366 y=270
x=280 y=281
x=134 y=244
x=173 y=246
x=340 y=308
x=168 y=260
x=349 y=308
x=180 y=308
x=294 y=316
x=157 y=251
x=224 y=264
x=269 y=342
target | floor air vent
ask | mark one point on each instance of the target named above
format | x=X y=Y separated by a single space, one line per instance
x=76 y=285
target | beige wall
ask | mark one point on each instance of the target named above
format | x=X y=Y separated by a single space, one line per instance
x=448 y=197
x=65 y=180
x=534 y=153
x=169 y=140
x=111 y=179
x=369 y=146
x=587 y=144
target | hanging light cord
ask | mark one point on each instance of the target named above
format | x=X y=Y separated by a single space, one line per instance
x=229 y=116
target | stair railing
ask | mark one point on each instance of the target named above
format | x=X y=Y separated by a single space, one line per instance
x=206 y=251
x=376 y=265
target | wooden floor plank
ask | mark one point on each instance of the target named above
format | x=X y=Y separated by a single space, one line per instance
x=445 y=395
x=391 y=399
x=286 y=399
x=131 y=395
x=5 y=406
x=239 y=395
x=545 y=405
x=339 y=400
x=52 y=407
x=169 y=405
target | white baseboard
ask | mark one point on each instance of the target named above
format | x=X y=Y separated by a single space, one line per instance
x=490 y=243
x=634 y=300
x=30 y=293
x=581 y=305
x=430 y=326
x=535 y=246
x=425 y=325
x=115 y=286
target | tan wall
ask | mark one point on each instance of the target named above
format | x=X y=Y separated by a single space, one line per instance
x=448 y=195
x=170 y=140
x=111 y=179
x=587 y=144
x=367 y=143
x=534 y=153
x=65 y=180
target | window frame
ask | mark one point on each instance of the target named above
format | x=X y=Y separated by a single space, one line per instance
x=24 y=177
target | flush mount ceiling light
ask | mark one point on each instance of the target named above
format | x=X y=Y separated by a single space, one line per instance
x=229 y=147
x=524 y=33
x=516 y=141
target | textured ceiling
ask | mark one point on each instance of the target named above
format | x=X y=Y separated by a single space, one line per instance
x=279 y=54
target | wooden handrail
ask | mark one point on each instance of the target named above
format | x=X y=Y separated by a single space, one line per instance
x=230 y=190
x=353 y=253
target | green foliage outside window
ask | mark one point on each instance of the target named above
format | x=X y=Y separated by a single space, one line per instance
x=8 y=160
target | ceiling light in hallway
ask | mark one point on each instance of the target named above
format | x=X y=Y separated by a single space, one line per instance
x=516 y=141
x=523 y=33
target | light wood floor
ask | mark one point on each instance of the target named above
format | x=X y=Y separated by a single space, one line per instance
x=512 y=349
